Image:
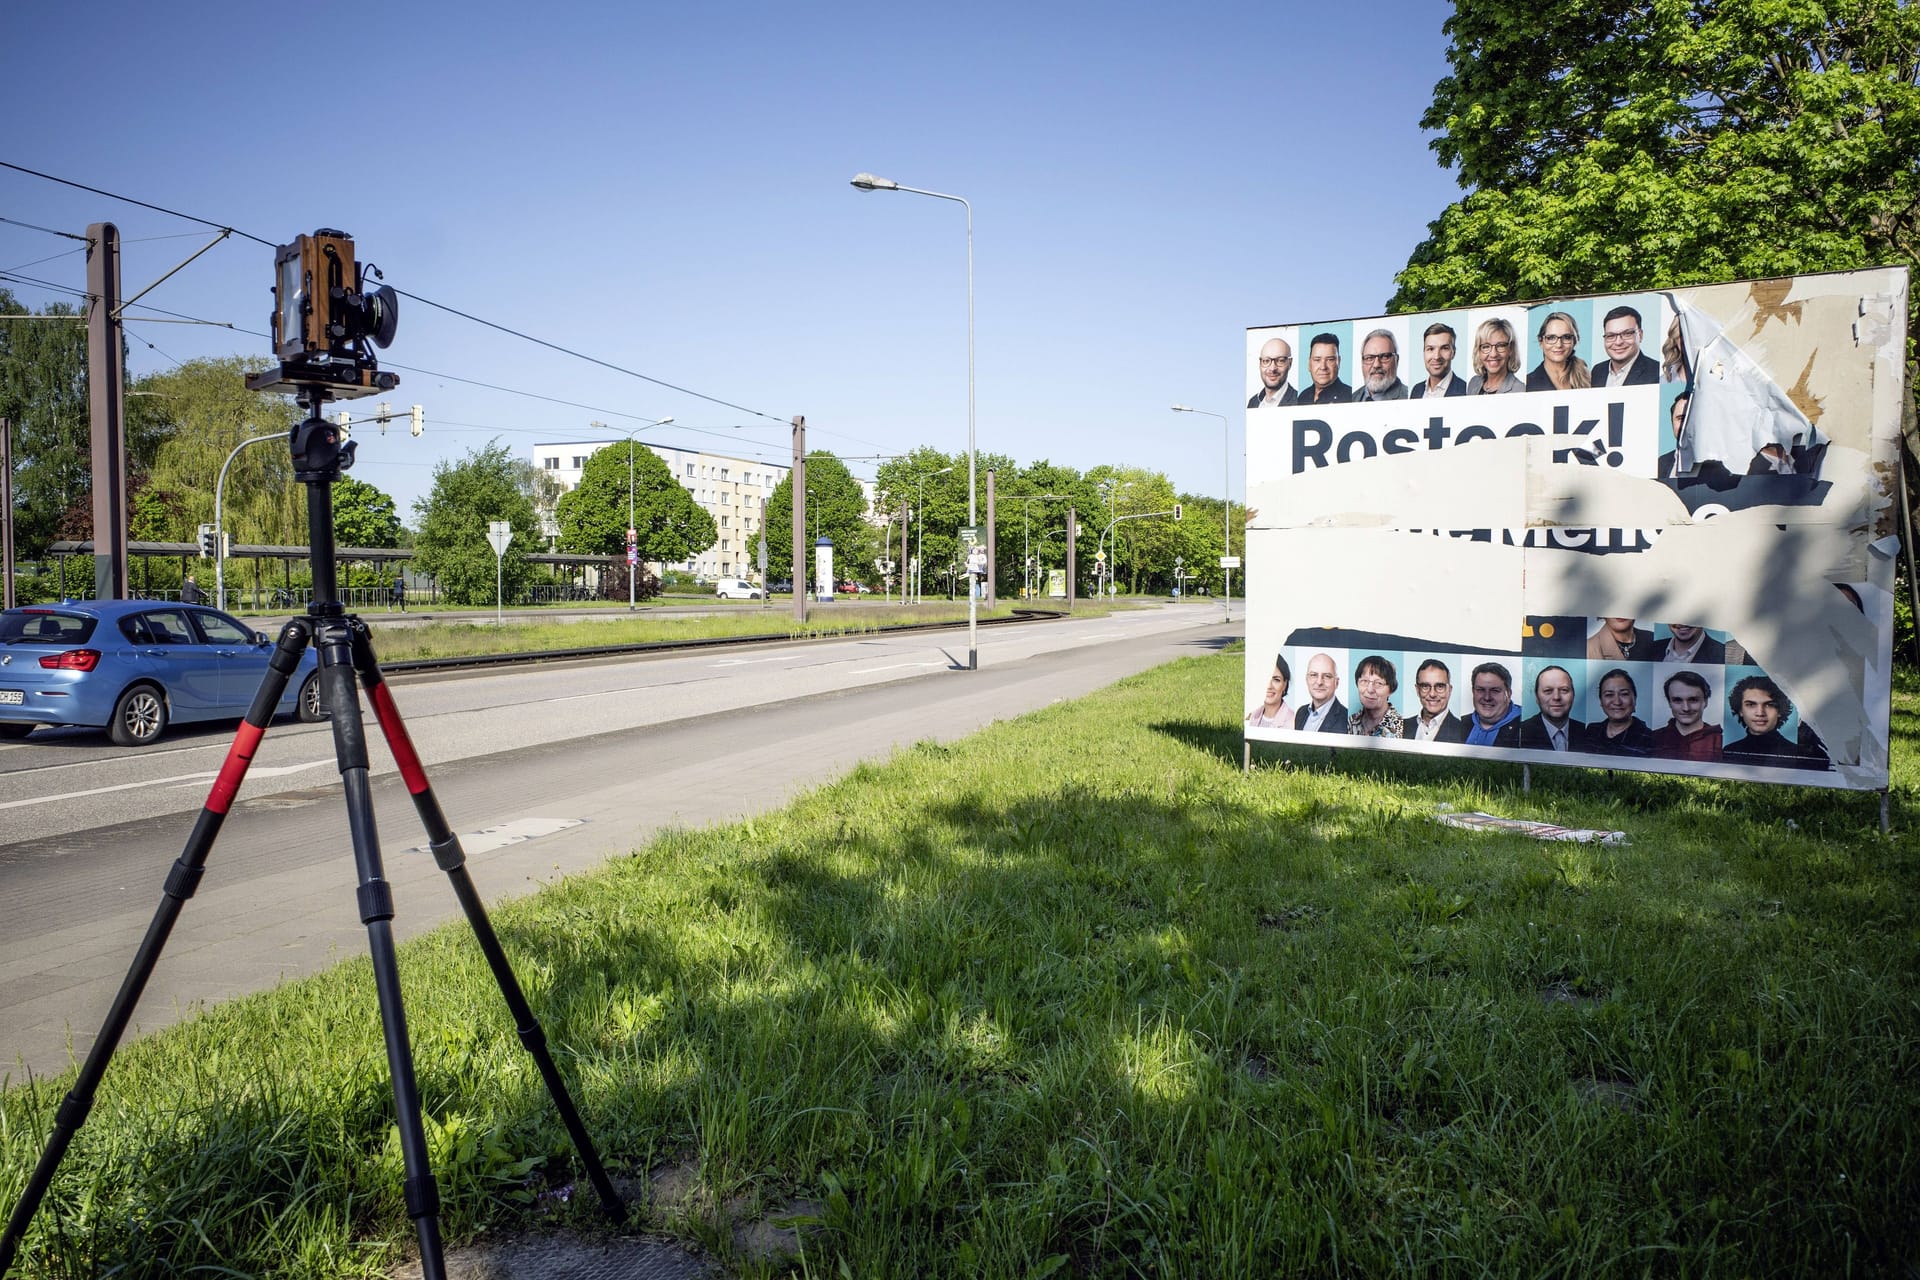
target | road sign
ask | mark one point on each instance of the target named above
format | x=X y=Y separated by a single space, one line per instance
x=1229 y=562
x=633 y=555
x=970 y=534
x=499 y=533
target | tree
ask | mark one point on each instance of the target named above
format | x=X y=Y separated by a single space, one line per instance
x=452 y=542
x=1620 y=145
x=838 y=510
x=363 y=516
x=43 y=392
x=1624 y=145
x=207 y=412
x=593 y=514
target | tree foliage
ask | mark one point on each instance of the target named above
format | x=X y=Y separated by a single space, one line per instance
x=837 y=510
x=207 y=411
x=452 y=540
x=593 y=514
x=1621 y=145
x=363 y=515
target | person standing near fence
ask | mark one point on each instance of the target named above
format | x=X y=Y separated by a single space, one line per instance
x=399 y=598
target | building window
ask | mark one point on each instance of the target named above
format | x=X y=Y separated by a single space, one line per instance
x=689 y=468
x=723 y=473
x=553 y=464
x=723 y=522
x=724 y=546
x=579 y=462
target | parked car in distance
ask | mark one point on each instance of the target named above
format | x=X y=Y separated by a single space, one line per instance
x=132 y=667
x=736 y=589
x=784 y=586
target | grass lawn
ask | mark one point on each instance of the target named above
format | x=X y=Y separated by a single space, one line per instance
x=1075 y=997
x=462 y=639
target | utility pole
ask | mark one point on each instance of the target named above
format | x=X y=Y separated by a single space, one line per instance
x=799 y=518
x=106 y=394
x=1073 y=539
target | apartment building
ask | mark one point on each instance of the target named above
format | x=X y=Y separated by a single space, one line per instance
x=734 y=491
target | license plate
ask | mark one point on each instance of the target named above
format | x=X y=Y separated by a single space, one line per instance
x=11 y=697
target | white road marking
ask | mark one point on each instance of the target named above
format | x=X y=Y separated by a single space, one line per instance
x=893 y=666
x=741 y=662
x=179 y=780
x=518 y=831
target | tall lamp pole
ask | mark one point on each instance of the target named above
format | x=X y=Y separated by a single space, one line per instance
x=633 y=545
x=219 y=540
x=869 y=182
x=1226 y=459
x=920 y=505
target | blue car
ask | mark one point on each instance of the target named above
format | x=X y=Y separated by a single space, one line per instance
x=132 y=667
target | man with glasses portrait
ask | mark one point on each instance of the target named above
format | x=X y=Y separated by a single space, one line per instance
x=1276 y=376
x=1380 y=368
x=1435 y=723
x=1625 y=365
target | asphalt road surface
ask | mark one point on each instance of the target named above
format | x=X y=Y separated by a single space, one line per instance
x=544 y=771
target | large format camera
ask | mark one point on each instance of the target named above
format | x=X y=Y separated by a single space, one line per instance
x=326 y=322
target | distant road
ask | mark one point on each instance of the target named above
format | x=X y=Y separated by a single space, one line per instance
x=544 y=771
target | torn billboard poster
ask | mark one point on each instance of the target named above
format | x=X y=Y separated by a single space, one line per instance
x=1646 y=531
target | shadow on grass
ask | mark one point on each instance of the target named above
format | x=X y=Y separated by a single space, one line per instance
x=1155 y=1017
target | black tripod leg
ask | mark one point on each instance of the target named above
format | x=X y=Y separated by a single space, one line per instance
x=182 y=880
x=453 y=860
x=376 y=912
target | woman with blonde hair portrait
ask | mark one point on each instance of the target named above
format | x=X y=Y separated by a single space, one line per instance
x=1674 y=365
x=1560 y=368
x=1493 y=354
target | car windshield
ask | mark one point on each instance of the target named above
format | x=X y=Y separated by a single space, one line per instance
x=44 y=626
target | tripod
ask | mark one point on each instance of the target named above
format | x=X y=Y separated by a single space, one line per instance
x=345 y=650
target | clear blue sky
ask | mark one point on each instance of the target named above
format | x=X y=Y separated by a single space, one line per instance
x=666 y=187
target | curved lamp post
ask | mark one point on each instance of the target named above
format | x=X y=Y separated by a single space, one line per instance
x=919 y=505
x=870 y=182
x=219 y=550
x=1226 y=458
x=633 y=569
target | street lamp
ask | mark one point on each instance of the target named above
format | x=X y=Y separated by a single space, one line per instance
x=919 y=505
x=1226 y=459
x=219 y=550
x=869 y=182
x=633 y=535
x=1026 y=534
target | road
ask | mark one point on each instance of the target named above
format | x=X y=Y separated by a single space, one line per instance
x=545 y=771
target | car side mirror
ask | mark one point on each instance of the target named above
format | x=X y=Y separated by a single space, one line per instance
x=260 y=638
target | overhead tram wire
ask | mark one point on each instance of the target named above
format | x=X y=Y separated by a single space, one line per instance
x=525 y=337
x=15 y=222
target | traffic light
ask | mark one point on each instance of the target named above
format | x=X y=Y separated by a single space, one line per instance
x=209 y=545
x=1176 y=510
x=419 y=419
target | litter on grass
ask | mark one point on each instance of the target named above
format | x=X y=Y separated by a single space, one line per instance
x=1524 y=827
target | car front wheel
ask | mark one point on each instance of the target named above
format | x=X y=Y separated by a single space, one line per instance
x=139 y=717
x=311 y=709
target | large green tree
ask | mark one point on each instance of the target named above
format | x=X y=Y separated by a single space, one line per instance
x=1621 y=144
x=837 y=510
x=363 y=515
x=452 y=540
x=669 y=524
x=43 y=393
x=208 y=412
